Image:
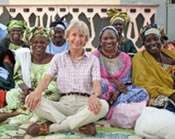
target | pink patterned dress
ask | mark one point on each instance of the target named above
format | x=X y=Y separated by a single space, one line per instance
x=118 y=68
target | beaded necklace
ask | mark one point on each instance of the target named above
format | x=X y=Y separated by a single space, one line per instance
x=109 y=55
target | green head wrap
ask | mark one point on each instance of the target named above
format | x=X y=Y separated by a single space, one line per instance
x=17 y=24
x=38 y=31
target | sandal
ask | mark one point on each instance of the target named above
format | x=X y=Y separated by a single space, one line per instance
x=38 y=129
x=89 y=129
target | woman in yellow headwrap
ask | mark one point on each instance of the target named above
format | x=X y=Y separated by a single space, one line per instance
x=154 y=68
x=119 y=19
x=14 y=41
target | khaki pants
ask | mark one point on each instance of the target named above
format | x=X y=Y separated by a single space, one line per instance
x=72 y=108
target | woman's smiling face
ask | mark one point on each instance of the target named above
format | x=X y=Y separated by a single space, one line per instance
x=108 y=40
x=58 y=35
x=15 y=34
x=152 y=44
x=39 y=44
x=119 y=25
x=76 y=39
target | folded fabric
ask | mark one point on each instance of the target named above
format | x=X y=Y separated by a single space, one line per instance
x=126 y=114
x=156 y=123
x=3 y=31
x=2 y=98
x=134 y=94
x=24 y=56
x=4 y=73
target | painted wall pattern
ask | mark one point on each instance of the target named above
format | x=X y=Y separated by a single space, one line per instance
x=95 y=17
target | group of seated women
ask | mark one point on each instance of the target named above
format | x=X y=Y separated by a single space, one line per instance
x=74 y=89
x=30 y=68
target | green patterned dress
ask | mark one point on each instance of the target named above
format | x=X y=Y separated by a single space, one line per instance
x=38 y=72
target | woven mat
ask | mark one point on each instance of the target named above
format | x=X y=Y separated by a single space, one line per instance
x=104 y=131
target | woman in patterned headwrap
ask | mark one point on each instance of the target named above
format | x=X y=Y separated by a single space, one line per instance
x=14 y=41
x=58 y=43
x=116 y=84
x=119 y=19
x=29 y=70
x=154 y=67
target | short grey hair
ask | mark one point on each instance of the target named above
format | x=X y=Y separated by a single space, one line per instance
x=77 y=24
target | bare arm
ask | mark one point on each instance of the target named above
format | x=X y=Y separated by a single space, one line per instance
x=172 y=97
x=34 y=98
x=94 y=103
x=97 y=87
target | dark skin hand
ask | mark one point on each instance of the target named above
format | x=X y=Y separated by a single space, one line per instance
x=113 y=97
x=23 y=86
x=26 y=90
x=121 y=87
x=164 y=59
x=25 y=93
x=172 y=97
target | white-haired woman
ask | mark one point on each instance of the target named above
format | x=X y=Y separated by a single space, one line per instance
x=78 y=81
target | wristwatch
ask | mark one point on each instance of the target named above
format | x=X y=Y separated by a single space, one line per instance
x=95 y=93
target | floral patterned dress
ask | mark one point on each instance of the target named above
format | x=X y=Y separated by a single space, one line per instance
x=118 y=68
